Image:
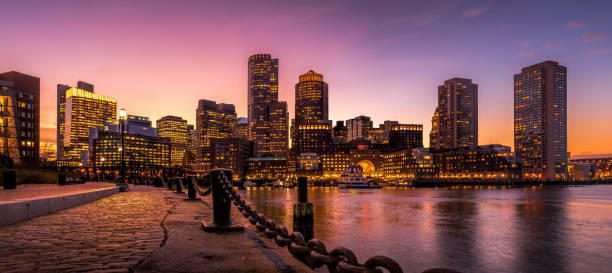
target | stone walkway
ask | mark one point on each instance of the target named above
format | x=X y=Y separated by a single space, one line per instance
x=39 y=190
x=109 y=235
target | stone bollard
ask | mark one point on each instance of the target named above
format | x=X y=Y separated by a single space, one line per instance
x=61 y=179
x=168 y=183
x=191 y=190
x=222 y=206
x=9 y=180
x=303 y=211
x=179 y=188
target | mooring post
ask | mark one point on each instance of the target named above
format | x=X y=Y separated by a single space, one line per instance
x=222 y=206
x=303 y=212
x=179 y=189
x=191 y=191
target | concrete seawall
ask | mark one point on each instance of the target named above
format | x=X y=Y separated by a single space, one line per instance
x=15 y=211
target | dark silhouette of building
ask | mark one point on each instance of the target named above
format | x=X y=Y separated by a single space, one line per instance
x=455 y=121
x=405 y=136
x=340 y=132
x=540 y=120
x=20 y=115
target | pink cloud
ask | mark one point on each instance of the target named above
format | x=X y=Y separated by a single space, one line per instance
x=549 y=45
x=576 y=24
x=475 y=11
x=528 y=53
x=599 y=50
x=593 y=37
x=526 y=44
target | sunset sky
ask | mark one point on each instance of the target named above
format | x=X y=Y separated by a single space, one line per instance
x=383 y=59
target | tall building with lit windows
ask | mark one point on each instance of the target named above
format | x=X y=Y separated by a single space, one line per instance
x=455 y=121
x=213 y=120
x=540 y=120
x=82 y=110
x=278 y=143
x=268 y=118
x=358 y=128
x=176 y=129
x=311 y=100
x=20 y=117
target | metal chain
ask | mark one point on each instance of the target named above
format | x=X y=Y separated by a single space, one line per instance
x=312 y=253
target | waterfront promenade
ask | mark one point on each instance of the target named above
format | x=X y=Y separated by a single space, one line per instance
x=144 y=230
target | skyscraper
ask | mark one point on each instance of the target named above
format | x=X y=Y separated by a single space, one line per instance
x=540 y=120
x=455 y=121
x=311 y=125
x=20 y=117
x=212 y=121
x=61 y=112
x=82 y=110
x=358 y=127
x=311 y=102
x=268 y=118
x=176 y=129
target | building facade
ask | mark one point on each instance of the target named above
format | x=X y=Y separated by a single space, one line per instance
x=242 y=128
x=232 y=153
x=602 y=166
x=267 y=116
x=213 y=121
x=455 y=121
x=20 y=117
x=144 y=155
x=487 y=162
x=540 y=120
x=358 y=128
x=82 y=110
x=405 y=136
x=177 y=130
x=408 y=164
x=340 y=132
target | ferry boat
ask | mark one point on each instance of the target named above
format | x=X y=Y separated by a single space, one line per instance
x=353 y=178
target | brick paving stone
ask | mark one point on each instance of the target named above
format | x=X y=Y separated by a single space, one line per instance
x=112 y=234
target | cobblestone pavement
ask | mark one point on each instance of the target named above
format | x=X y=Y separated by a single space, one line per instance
x=108 y=235
x=38 y=190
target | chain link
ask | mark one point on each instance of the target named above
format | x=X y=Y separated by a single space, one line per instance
x=312 y=253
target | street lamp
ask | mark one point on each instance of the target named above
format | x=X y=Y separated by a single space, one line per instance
x=122 y=119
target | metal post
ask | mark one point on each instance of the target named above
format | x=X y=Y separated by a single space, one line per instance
x=191 y=191
x=123 y=180
x=303 y=211
x=179 y=188
x=222 y=206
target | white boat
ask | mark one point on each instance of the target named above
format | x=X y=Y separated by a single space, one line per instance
x=248 y=184
x=353 y=178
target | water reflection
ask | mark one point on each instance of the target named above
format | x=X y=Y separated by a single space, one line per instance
x=472 y=230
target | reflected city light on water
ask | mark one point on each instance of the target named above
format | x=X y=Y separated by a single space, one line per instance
x=484 y=229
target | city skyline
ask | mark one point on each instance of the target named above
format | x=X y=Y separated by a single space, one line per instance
x=410 y=99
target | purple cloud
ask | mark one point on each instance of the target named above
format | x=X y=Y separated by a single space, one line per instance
x=526 y=44
x=475 y=11
x=593 y=37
